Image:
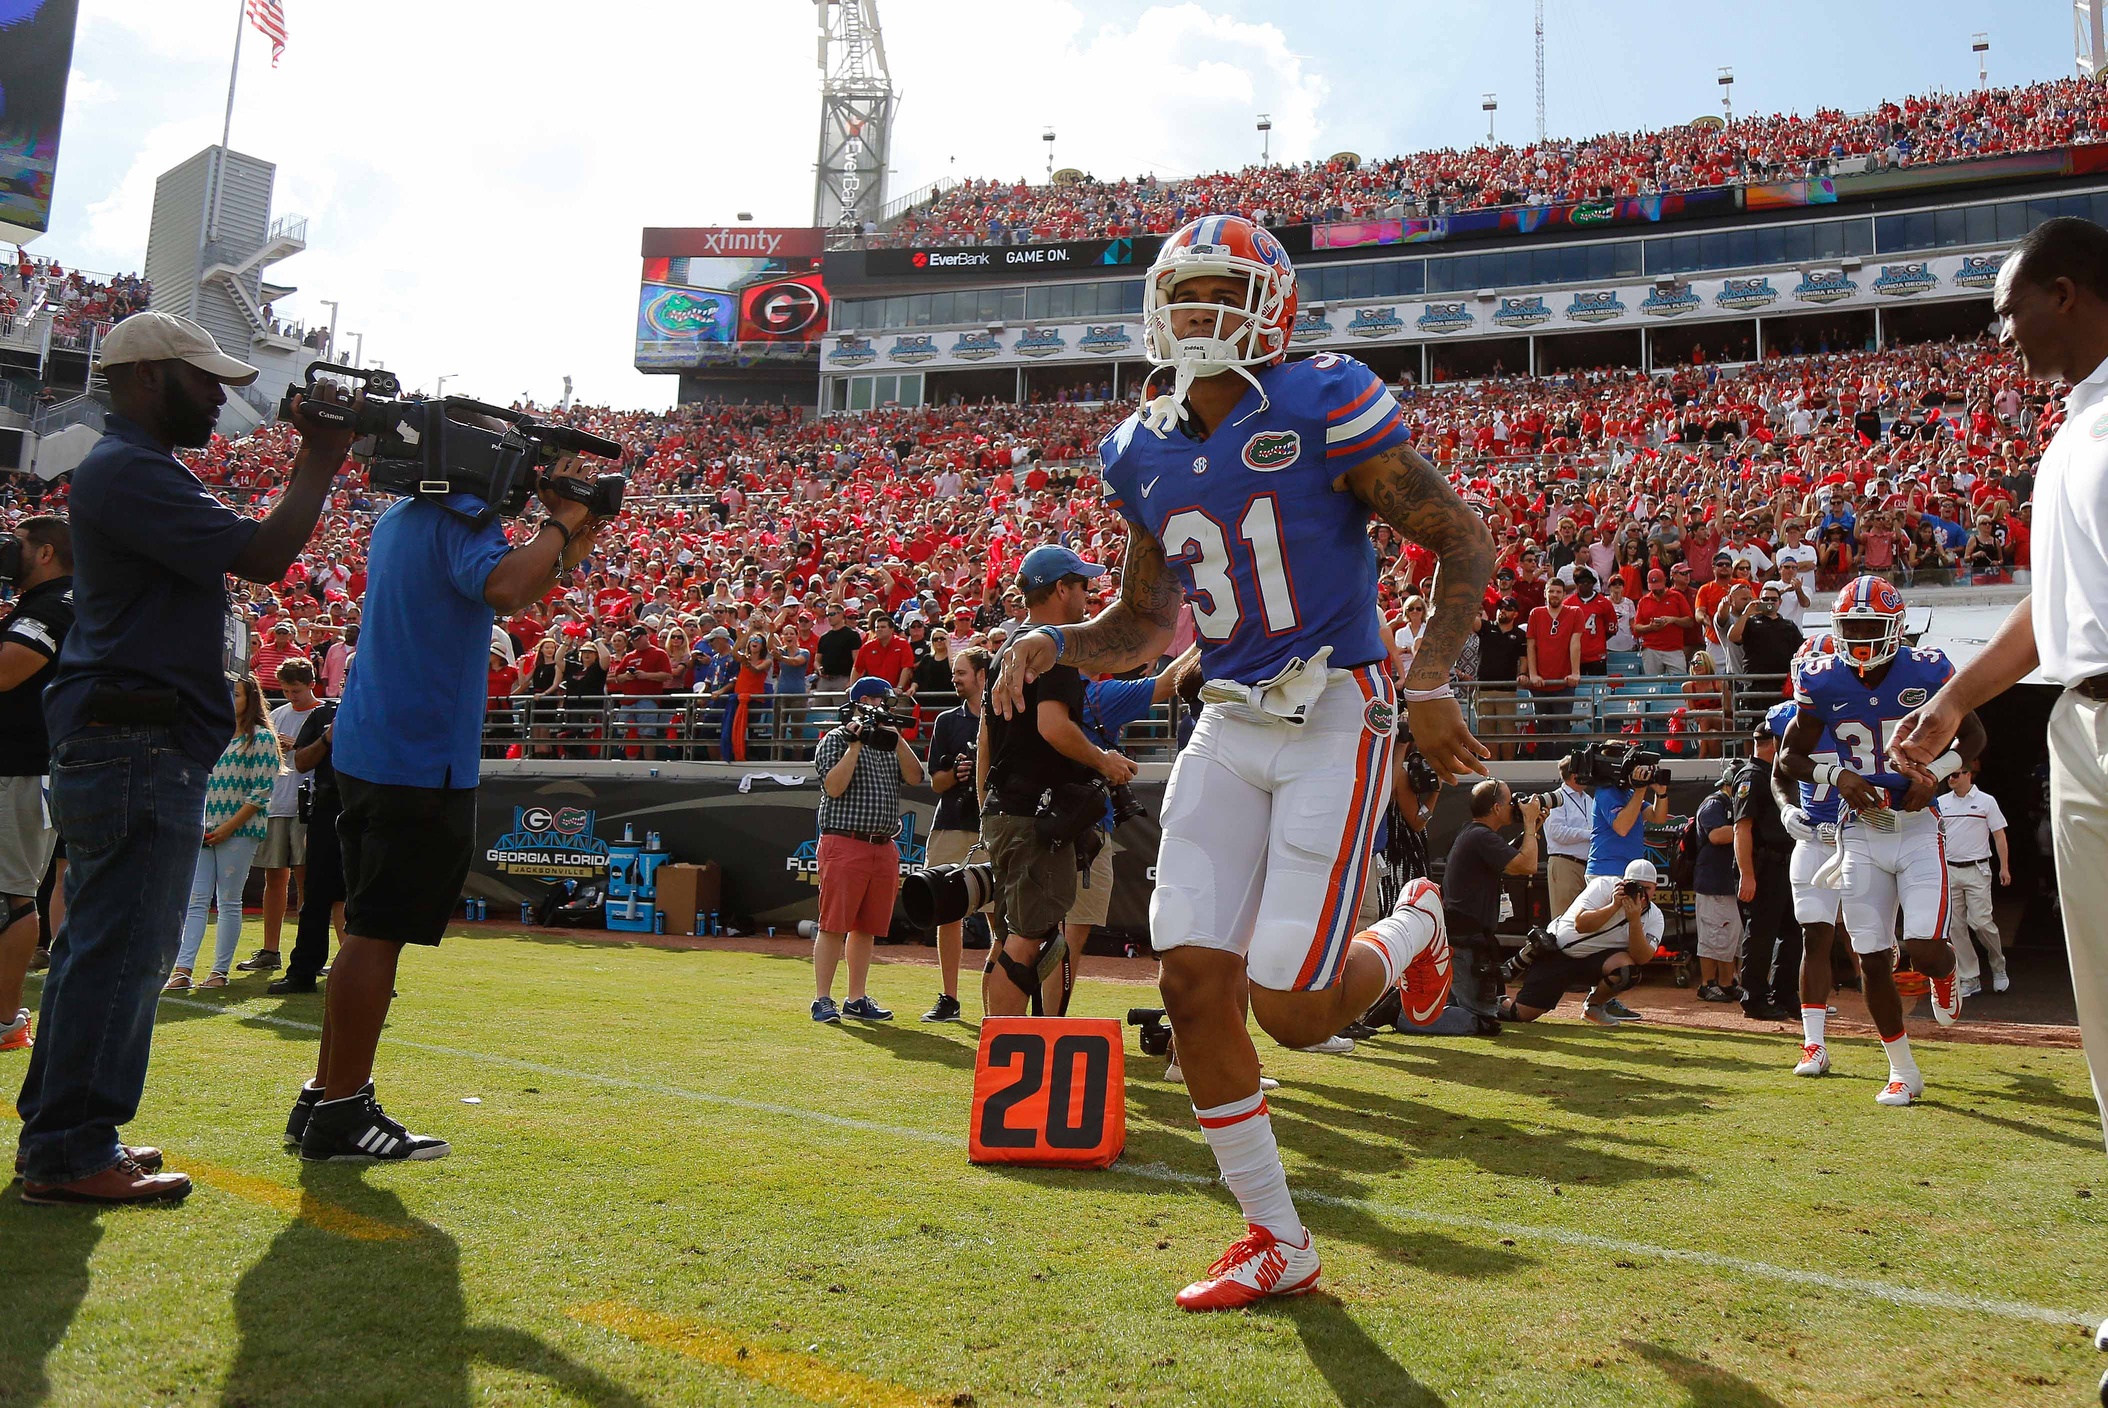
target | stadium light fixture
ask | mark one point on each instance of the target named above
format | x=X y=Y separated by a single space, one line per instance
x=1266 y=139
x=1980 y=45
x=442 y=384
x=1047 y=136
x=331 y=304
x=358 y=348
x=1489 y=104
x=1727 y=93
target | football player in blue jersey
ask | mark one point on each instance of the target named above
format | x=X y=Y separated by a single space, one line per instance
x=1247 y=489
x=1889 y=846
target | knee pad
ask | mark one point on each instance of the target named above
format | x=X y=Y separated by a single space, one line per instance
x=1623 y=979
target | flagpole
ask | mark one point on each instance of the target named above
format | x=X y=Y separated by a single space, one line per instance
x=212 y=225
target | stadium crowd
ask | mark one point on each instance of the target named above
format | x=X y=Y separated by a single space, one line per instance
x=78 y=300
x=1933 y=127
x=761 y=546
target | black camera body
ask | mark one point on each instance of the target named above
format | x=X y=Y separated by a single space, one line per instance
x=1420 y=774
x=1618 y=765
x=1154 y=1029
x=875 y=723
x=431 y=448
x=1126 y=805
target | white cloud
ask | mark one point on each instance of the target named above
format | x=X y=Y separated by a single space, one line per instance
x=476 y=196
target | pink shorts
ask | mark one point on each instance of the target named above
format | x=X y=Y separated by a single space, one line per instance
x=858 y=882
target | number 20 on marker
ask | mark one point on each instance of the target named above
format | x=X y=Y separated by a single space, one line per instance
x=1049 y=1091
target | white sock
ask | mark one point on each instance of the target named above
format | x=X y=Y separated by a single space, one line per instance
x=1813 y=1021
x=1901 y=1065
x=1242 y=1135
x=1398 y=940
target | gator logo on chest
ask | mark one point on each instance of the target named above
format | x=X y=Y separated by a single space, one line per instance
x=1270 y=450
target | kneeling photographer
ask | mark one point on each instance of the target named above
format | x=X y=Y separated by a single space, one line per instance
x=407 y=736
x=1043 y=790
x=1611 y=928
x=1479 y=866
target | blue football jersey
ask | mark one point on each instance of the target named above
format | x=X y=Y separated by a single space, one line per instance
x=1818 y=803
x=1862 y=719
x=1276 y=562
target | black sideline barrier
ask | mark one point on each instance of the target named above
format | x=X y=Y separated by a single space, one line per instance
x=532 y=825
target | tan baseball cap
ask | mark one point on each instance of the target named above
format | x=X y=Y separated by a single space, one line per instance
x=155 y=336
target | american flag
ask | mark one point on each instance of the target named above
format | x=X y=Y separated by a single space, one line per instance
x=269 y=16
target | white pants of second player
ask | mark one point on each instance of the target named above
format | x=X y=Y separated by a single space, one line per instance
x=1969 y=914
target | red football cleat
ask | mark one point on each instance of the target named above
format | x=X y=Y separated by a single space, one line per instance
x=1256 y=1266
x=1423 y=989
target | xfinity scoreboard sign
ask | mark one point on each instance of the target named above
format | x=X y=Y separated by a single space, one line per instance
x=1076 y=256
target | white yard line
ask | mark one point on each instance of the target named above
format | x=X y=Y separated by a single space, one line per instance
x=1791 y=1275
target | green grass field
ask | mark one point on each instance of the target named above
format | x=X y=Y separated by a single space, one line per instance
x=676 y=1189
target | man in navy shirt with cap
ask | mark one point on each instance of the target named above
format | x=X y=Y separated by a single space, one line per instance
x=138 y=712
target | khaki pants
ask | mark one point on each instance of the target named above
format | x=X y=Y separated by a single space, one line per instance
x=1564 y=876
x=1969 y=913
x=2078 y=807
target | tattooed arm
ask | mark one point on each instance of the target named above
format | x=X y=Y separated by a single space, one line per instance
x=1134 y=630
x=1412 y=496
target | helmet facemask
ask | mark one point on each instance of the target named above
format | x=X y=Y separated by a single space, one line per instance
x=1217 y=347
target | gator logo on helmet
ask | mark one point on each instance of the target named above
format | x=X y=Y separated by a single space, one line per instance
x=1270 y=450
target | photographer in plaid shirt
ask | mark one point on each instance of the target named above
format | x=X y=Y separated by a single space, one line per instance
x=859 y=863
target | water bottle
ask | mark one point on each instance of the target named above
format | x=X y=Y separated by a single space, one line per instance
x=526 y=911
x=702 y=923
x=629 y=834
x=658 y=921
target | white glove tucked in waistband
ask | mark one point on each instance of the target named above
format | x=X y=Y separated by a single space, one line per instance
x=1286 y=698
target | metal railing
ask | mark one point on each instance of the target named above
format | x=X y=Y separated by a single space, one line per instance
x=1694 y=717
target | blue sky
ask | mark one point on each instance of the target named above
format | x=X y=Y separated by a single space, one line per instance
x=475 y=197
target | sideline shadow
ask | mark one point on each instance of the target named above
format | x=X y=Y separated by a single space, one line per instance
x=1361 y=1372
x=326 y=1317
x=1706 y=1385
x=913 y=1043
x=48 y=1250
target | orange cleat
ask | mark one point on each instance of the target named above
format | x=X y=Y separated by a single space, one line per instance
x=17 y=1035
x=1423 y=989
x=1256 y=1266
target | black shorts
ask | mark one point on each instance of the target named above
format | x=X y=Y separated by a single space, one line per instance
x=1548 y=979
x=406 y=857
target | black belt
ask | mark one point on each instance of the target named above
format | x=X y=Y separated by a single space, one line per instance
x=1980 y=860
x=2095 y=688
x=875 y=838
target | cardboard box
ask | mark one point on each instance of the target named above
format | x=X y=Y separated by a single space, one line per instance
x=685 y=891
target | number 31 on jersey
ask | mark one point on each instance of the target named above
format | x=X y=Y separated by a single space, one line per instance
x=1192 y=537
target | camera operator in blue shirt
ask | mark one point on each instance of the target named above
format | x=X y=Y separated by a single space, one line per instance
x=1618 y=838
x=406 y=749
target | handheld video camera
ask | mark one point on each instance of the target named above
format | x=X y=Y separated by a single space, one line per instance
x=1618 y=765
x=876 y=721
x=433 y=448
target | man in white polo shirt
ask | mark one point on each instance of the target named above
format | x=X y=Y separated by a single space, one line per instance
x=2052 y=302
x=1975 y=828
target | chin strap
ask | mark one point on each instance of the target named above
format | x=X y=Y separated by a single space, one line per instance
x=1161 y=414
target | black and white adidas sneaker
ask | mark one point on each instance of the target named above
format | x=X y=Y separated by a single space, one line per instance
x=356 y=1129
x=303 y=1107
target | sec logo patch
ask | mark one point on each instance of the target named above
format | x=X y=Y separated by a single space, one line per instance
x=1380 y=717
x=1270 y=450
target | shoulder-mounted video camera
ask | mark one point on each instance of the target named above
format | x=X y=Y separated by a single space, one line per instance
x=432 y=448
x=1618 y=765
